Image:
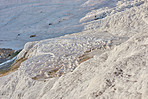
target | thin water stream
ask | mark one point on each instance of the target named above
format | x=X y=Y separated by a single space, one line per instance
x=6 y=65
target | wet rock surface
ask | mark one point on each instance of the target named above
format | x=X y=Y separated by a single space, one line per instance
x=5 y=53
x=8 y=60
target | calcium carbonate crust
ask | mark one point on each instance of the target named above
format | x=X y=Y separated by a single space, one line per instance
x=108 y=60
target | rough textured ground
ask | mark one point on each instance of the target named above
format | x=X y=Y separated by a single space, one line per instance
x=108 y=60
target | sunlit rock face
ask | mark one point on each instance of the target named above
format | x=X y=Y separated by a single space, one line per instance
x=106 y=59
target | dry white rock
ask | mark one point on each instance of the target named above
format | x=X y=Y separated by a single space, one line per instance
x=84 y=66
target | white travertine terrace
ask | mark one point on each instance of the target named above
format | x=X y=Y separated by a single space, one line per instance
x=108 y=59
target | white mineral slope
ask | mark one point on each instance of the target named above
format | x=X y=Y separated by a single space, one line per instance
x=117 y=74
x=126 y=18
x=114 y=70
x=44 y=56
x=121 y=73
